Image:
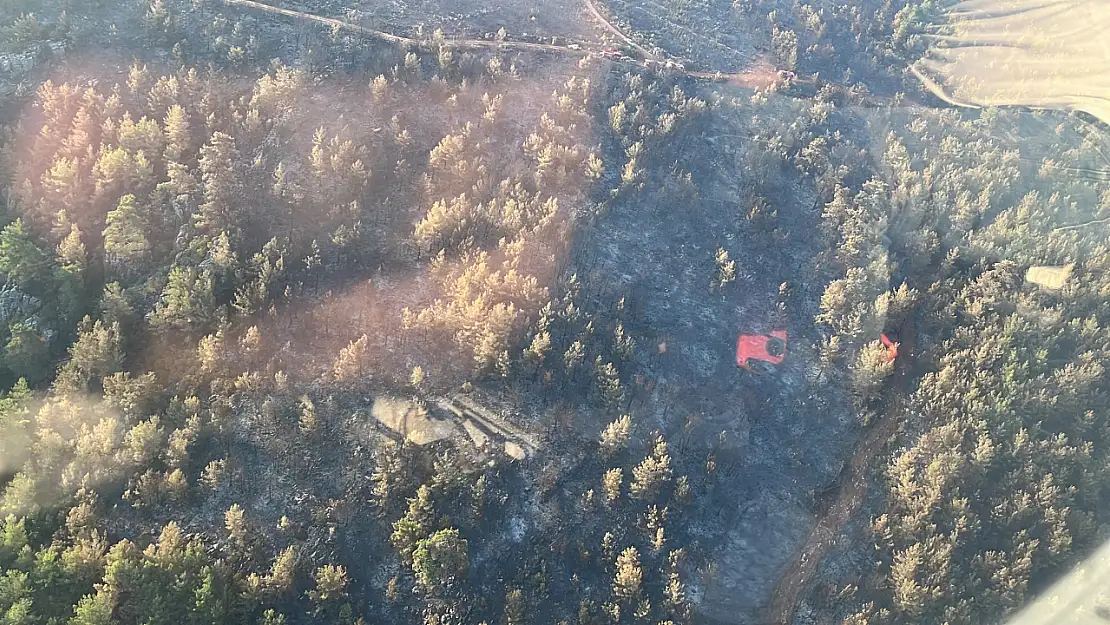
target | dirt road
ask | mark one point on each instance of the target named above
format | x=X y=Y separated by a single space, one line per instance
x=759 y=78
x=592 y=8
x=408 y=41
x=853 y=487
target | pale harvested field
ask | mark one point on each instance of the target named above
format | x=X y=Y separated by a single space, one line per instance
x=1037 y=53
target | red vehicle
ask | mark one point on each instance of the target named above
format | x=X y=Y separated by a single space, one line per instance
x=761 y=353
x=610 y=53
x=891 y=346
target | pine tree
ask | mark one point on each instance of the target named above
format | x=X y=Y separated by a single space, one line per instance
x=314 y=261
x=143 y=136
x=250 y=344
x=61 y=226
x=623 y=345
x=331 y=584
x=236 y=524
x=115 y=307
x=416 y=524
x=379 y=88
x=251 y=297
x=629 y=577
x=217 y=166
x=223 y=265
x=95 y=608
x=615 y=437
x=515 y=608
x=20 y=495
x=351 y=360
x=176 y=129
x=143 y=442
x=66 y=185
x=69 y=279
x=125 y=241
x=165 y=93
x=27 y=354
x=784 y=43
x=726 y=270
x=573 y=357
x=211 y=606
x=138 y=80
x=18 y=607
x=179 y=190
x=21 y=259
x=440 y=560
x=651 y=475
x=119 y=171
x=71 y=250
x=187 y=300
x=309 y=422
x=159 y=22
x=214 y=475
x=283 y=573
x=873 y=366
x=658 y=541
x=212 y=354
x=537 y=351
x=388 y=475
x=416 y=378
x=611 y=484
x=448 y=476
x=175 y=485
x=181 y=439
x=682 y=493
x=609 y=384
x=674 y=594
x=94 y=355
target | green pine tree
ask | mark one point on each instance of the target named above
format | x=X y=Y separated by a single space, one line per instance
x=21 y=258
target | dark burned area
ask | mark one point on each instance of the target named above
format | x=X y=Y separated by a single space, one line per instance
x=303 y=322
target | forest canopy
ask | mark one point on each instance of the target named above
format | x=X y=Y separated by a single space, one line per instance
x=401 y=314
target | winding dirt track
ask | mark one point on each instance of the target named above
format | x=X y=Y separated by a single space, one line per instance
x=852 y=484
x=616 y=31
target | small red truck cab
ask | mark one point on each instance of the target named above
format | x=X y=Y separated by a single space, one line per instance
x=761 y=353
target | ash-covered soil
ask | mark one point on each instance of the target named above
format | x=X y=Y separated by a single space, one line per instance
x=784 y=435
